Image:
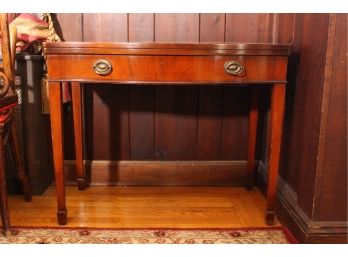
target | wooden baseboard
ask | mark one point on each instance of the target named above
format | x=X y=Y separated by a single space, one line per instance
x=173 y=173
x=291 y=215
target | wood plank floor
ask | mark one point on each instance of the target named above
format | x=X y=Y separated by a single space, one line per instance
x=145 y=207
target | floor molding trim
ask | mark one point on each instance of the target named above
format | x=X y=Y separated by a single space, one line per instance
x=306 y=229
x=199 y=173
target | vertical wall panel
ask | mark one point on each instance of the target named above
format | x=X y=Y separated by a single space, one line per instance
x=248 y=28
x=307 y=106
x=141 y=122
x=107 y=126
x=105 y=27
x=286 y=28
x=209 y=123
x=176 y=123
x=69 y=26
x=331 y=202
x=141 y=27
x=212 y=27
x=177 y=27
x=235 y=123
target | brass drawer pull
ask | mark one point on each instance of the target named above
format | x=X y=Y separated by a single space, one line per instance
x=234 y=68
x=102 y=67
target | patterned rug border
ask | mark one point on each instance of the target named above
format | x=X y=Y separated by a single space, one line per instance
x=291 y=239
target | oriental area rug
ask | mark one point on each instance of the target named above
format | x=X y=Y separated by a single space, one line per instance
x=272 y=235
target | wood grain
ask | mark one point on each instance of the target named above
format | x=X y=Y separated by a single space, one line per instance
x=176 y=120
x=275 y=139
x=176 y=108
x=175 y=123
x=141 y=27
x=307 y=113
x=178 y=27
x=314 y=153
x=163 y=173
x=76 y=91
x=252 y=128
x=286 y=28
x=205 y=27
x=55 y=95
x=146 y=207
x=141 y=122
x=291 y=28
x=212 y=27
x=69 y=26
x=107 y=122
x=333 y=180
x=141 y=99
x=257 y=27
x=209 y=123
x=105 y=27
x=234 y=131
x=163 y=70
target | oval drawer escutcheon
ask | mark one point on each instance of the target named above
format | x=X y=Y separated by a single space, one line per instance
x=234 y=68
x=102 y=67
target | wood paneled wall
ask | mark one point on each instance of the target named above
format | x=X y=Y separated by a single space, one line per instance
x=332 y=181
x=166 y=123
x=314 y=152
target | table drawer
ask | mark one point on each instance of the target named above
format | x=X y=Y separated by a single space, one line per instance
x=166 y=69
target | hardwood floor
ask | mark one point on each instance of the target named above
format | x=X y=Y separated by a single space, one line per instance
x=145 y=207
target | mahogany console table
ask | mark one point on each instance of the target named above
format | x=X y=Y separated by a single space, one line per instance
x=161 y=64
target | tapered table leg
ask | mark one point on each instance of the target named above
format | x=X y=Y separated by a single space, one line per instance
x=253 y=117
x=56 y=114
x=276 y=127
x=78 y=133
